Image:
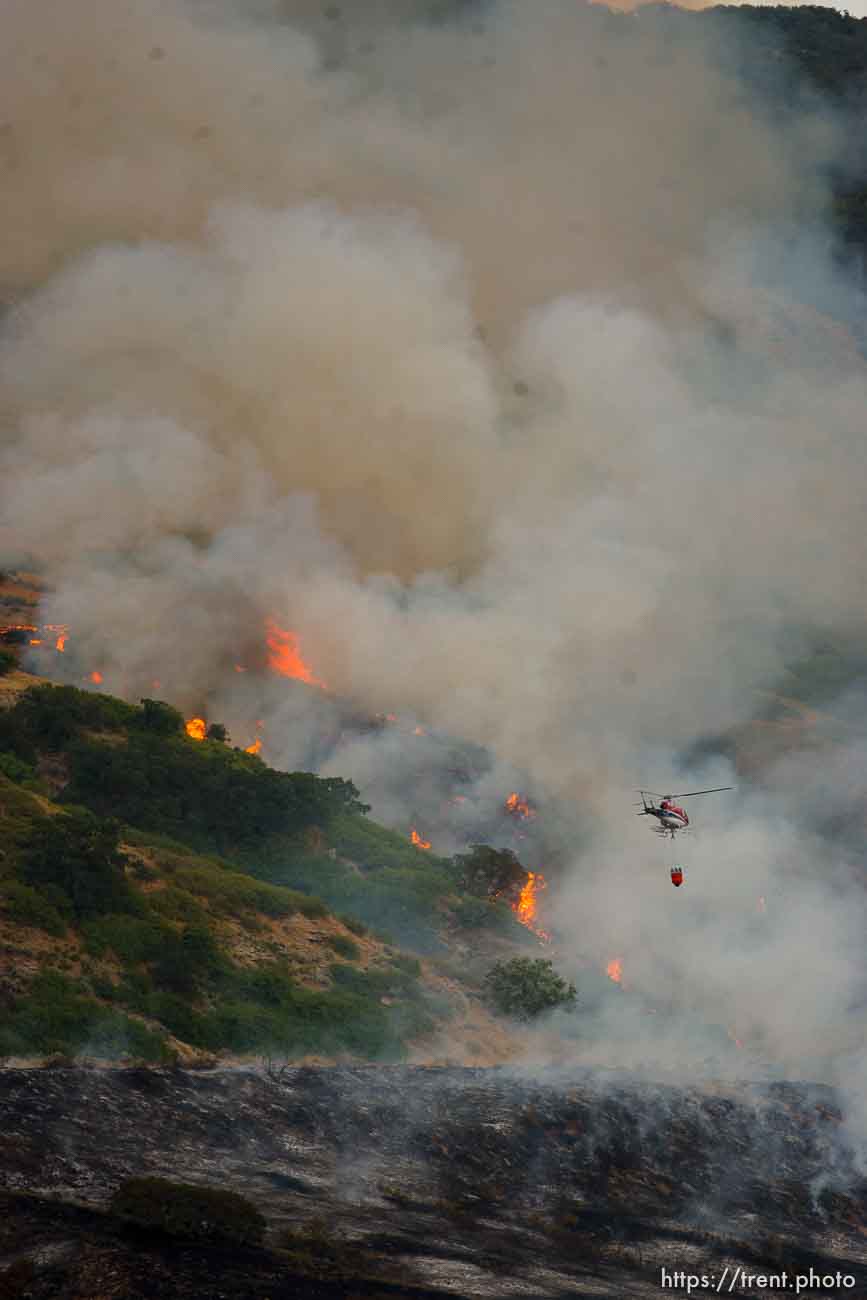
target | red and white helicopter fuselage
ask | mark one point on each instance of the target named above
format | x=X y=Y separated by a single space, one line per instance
x=670 y=817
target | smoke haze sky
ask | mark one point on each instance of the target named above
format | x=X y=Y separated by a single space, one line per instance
x=482 y=354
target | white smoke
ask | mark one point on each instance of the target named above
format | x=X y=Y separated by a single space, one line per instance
x=468 y=352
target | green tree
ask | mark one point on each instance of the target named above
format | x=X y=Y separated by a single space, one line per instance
x=49 y=717
x=7 y=662
x=485 y=871
x=78 y=853
x=160 y=718
x=207 y=795
x=524 y=987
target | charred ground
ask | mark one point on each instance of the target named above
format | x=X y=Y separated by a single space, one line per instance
x=418 y=1182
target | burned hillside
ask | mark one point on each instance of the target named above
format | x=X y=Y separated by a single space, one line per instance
x=431 y=1181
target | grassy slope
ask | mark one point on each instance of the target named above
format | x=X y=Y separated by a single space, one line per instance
x=203 y=957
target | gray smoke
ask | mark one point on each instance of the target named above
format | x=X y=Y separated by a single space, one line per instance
x=485 y=356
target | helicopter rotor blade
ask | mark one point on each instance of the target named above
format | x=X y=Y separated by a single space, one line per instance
x=690 y=794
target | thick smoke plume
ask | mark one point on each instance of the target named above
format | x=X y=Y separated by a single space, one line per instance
x=487 y=355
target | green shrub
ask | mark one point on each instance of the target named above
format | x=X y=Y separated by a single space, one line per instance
x=173 y=1011
x=8 y=662
x=52 y=716
x=177 y=905
x=373 y=846
x=78 y=853
x=179 y=960
x=54 y=1017
x=131 y=938
x=187 y=960
x=407 y=901
x=524 y=987
x=29 y=906
x=230 y=892
x=201 y=950
x=16 y=769
x=486 y=871
x=344 y=946
x=268 y=985
x=112 y=1034
x=491 y=914
x=194 y=1213
x=205 y=794
x=160 y=718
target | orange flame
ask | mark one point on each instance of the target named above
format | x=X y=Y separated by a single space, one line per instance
x=257 y=743
x=419 y=731
x=527 y=905
x=285 y=655
x=519 y=807
x=417 y=840
x=96 y=678
x=60 y=643
x=197 y=728
x=36 y=640
x=614 y=970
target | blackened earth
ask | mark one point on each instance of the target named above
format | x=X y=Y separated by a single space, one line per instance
x=422 y=1182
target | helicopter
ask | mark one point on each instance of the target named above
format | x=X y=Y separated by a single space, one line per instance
x=671 y=817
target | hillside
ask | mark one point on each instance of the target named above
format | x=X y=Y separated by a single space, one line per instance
x=419 y=1183
x=128 y=935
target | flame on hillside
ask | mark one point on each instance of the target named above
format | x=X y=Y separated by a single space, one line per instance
x=256 y=746
x=417 y=840
x=526 y=908
x=197 y=728
x=284 y=655
x=614 y=970
x=60 y=631
x=96 y=678
x=518 y=806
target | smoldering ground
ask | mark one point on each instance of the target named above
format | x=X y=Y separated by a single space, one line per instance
x=484 y=355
